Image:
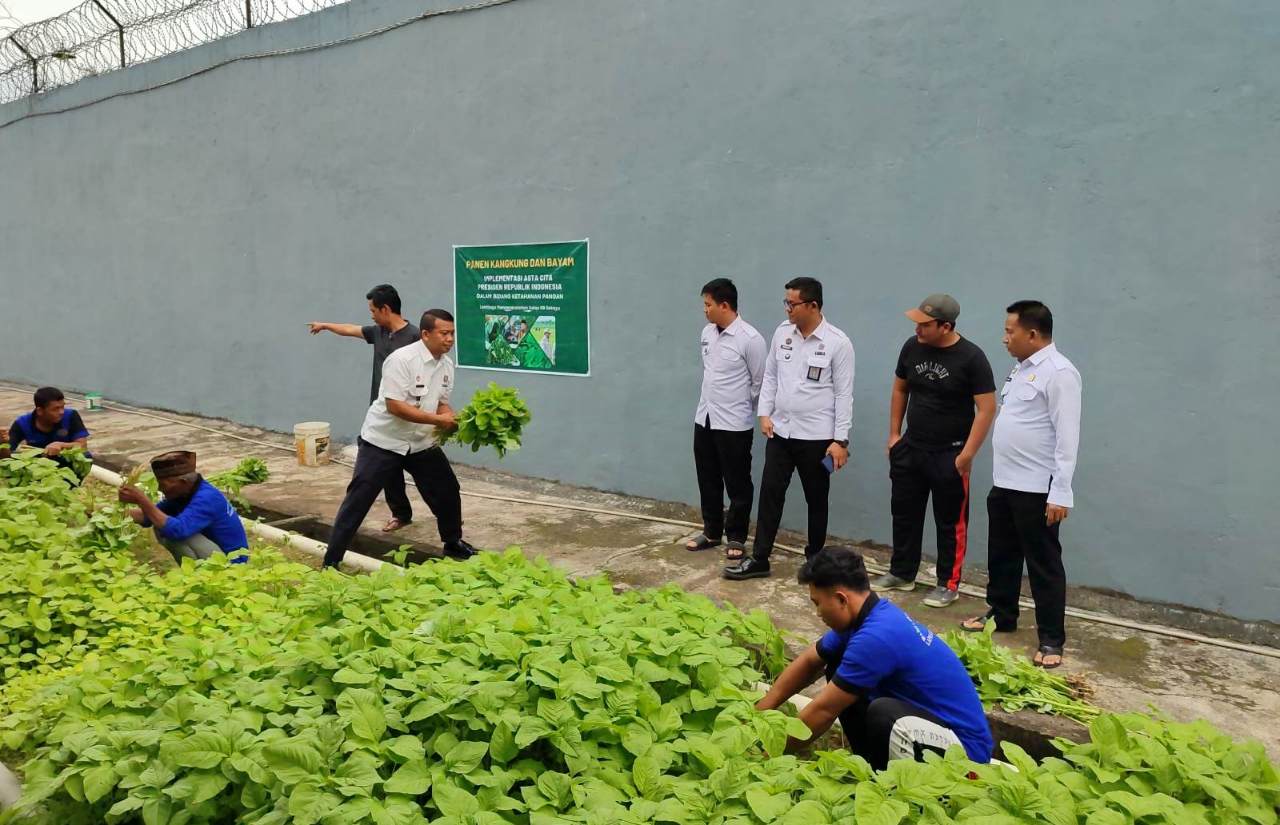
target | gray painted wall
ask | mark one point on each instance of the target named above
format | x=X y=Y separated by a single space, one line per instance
x=1119 y=161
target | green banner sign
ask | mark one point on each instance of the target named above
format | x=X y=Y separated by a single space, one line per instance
x=523 y=307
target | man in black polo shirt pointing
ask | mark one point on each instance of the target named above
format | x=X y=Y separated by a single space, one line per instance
x=943 y=384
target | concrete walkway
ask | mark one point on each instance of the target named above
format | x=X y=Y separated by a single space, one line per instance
x=630 y=542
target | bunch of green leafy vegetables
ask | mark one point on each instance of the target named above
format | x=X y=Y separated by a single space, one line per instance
x=495 y=418
x=249 y=471
x=1011 y=681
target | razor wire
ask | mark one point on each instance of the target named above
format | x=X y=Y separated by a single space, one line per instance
x=99 y=36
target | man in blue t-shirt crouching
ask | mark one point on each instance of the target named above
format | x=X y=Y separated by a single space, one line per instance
x=194 y=520
x=897 y=689
x=50 y=427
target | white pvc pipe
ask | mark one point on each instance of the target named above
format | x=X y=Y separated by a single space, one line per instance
x=272 y=535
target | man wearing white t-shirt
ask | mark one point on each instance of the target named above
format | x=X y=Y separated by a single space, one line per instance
x=399 y=435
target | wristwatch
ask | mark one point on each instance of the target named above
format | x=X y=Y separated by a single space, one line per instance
x=842 y=442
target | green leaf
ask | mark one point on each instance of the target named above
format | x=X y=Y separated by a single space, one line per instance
x=98 y=782
x=293 y=760
x=451 y=800
x=362 y=709
x=807 y=812
x=465 y=757
x=201 y=750
x=502 y=746
x=768 y=807
x=358 y=774
x=308 y=804
x=412 y=778
x=408 y=748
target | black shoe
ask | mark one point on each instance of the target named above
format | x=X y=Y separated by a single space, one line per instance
x=748 y=568
x=459 y=550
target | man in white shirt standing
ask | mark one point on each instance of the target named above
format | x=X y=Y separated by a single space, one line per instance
x=806 y=411
x=1037 y=433
x=398 y=436
x=724 y=422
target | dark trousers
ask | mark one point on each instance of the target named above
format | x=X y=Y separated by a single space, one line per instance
x=1017 y=531
x=916 y=474
x=432 y=474
x=782 y=456
x=397 y=499
x=723 y=461
x=891 y=728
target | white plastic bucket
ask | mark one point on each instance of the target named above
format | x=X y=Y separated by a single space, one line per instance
x=312 y=441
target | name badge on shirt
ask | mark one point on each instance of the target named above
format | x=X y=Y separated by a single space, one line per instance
x=817 y=365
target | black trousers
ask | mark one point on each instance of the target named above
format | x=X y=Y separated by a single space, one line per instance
x=782 y=456
x=915 y=475
x=1017 y=532
x=723 y=462
x=397 y=498
x=432 y=474
x=887 y=728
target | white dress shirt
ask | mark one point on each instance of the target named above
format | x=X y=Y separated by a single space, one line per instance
x=808 y=383
x=1037 y=431
x=413 y=375
x=732 y=371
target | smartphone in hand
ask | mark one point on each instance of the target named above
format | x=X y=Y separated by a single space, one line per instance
x=829 y=463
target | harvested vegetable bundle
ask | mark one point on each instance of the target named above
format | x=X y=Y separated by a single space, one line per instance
x=494 y=418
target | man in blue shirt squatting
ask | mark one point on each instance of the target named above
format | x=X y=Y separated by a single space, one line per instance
x=896 y=688
x=194 y=520
x=51 y=427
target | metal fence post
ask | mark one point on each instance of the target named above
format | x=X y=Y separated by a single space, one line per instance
x=248 y=14
x=35 y=69
x=119 y=29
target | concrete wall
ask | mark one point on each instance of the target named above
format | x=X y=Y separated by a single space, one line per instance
x=1119 y=161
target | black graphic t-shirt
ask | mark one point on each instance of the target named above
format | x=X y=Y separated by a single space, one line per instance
x=942 y=382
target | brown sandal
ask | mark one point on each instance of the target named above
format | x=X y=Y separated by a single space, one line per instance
x=978 y=624
x=395 y=524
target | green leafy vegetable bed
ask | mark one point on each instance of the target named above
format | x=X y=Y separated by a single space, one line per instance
x=496 y=691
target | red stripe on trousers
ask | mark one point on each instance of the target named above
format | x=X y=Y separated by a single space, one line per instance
x=962 y=538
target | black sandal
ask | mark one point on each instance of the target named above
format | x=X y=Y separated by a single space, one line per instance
x=735 y=551
x=700 y=542
x=1047 y=650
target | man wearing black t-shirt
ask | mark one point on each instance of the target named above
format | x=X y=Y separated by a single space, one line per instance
x=388 y=333
x=940 y=381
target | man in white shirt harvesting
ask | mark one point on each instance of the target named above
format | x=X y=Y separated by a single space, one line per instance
x=724 y=422
x=806 y=410
x=1034 y=446
x=399 y=435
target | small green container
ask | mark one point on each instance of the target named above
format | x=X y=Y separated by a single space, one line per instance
x=93 y=401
